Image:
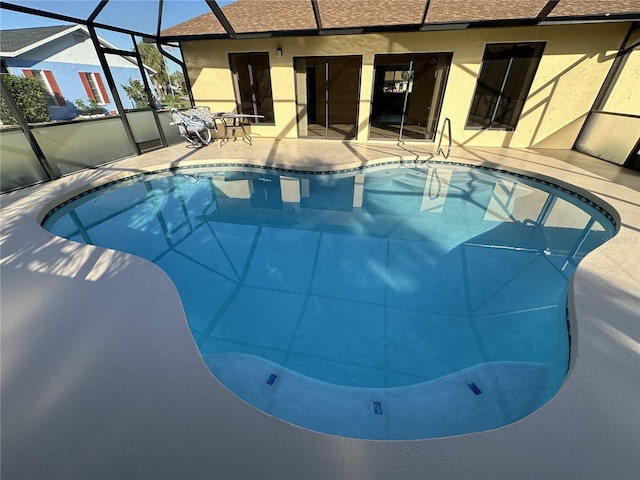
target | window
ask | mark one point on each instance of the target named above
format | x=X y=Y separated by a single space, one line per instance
x=52 y=91
x=503 y=85
x=252 y=79
x=397 y=80
x=93 y=85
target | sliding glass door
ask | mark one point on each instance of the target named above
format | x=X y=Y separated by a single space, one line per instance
x=327 y=95
x=407 y=95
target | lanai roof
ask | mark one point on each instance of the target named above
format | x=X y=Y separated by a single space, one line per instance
x=18 y=41
x=169 y=20
x=253 y=16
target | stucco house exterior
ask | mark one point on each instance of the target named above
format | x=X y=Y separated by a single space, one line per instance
x=64 y=60
x=507 y=74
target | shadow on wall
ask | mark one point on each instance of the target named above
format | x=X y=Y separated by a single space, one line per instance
x=539 y=104
x=565 y=135
x=571 y=130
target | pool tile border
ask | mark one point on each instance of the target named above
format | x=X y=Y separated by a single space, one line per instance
x=541 y=181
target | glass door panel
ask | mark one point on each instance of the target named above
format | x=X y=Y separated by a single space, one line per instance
x=317 y=96
x=327 y=95
x=408 y=92
x=343 y=88
x=392 y=83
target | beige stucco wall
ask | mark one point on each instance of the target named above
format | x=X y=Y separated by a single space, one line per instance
x=625 y=96
x=575 y=62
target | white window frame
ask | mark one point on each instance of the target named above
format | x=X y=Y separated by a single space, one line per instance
x=95 y=89
x=42 y=78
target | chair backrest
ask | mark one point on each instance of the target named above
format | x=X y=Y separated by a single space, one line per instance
x=190 y=121
x=201 y=112
x=192 y=127
x=179 y=120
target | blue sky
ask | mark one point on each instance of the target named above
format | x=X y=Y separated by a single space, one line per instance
x=138 y=15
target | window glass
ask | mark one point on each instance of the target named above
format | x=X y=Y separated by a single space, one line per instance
x=407 y=95
x=52 y=96
x=397 y=79
x=503 y=85
x=94 y=87
x=252 y=78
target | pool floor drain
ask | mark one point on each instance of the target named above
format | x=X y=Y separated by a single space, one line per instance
x=377 y=408
x=474 y=388
x=272 y=379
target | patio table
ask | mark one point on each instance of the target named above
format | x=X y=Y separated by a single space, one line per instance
x=237 y=121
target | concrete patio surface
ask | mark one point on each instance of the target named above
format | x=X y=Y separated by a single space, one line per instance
x=101 y=377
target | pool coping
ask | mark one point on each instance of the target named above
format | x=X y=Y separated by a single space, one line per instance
x=173 y=419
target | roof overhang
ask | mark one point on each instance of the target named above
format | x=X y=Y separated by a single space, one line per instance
x=21 y=51
x=52 y=38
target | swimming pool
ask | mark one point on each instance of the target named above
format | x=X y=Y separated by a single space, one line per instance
x=391 y=302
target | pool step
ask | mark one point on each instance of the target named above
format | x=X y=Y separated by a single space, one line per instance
x=442 y=407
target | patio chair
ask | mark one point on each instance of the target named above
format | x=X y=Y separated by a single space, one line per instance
x=194 y=126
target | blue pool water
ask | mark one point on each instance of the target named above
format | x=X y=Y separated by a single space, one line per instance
x=394 y=302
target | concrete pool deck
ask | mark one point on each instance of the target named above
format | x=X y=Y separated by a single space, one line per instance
x=101 y=377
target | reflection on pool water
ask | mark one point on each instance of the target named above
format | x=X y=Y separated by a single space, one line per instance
x=393 y=302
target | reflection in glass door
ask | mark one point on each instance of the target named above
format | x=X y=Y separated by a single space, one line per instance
x=407 y=95
x=327 y=94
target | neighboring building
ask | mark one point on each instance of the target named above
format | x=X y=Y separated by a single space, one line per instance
x=507 y=74
x=64 y=60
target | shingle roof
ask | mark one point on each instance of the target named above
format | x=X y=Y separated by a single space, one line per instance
x=253 y=16
x=365 y=13
x=472 y=10
x=17 y=39
x=443 y=11
x=567 y=8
